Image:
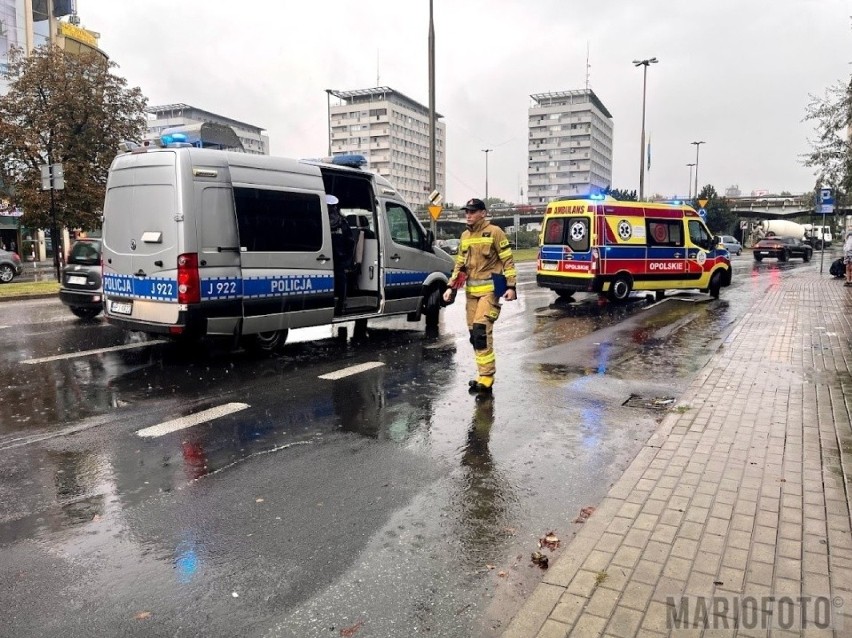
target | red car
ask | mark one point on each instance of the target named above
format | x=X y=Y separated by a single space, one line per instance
x=782 y=249
x=10 y=266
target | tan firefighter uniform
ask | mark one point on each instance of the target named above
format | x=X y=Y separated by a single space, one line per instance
x=484 y=251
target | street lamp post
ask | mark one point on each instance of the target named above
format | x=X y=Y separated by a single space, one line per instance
x=433 y=174
x=486 y=151
x=644 y=64
x=697 y=146
x=689 y=184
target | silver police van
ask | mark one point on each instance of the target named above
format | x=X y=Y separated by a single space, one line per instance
x=200 y=242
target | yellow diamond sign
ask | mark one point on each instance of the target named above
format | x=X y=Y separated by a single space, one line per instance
x=435 y=211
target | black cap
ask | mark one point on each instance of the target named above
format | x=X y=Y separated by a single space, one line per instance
x=474 y=204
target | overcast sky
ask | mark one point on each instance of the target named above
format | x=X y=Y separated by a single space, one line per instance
x=734 y=73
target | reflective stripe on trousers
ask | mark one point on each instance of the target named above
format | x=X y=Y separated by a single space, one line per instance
x=484 y=310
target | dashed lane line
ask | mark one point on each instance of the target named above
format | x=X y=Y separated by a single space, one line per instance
x=190 y=420
x=345 y=372
x=86 y=353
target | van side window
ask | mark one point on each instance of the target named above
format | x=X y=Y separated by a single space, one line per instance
x=698 y=234
x=404 y=228
x=665 y=232
x=278 y=221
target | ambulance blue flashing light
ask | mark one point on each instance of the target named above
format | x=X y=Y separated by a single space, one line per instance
x=350 y=159
x=598 y=196
x=174 y=138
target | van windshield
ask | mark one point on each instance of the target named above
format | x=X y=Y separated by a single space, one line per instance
x=85 y=253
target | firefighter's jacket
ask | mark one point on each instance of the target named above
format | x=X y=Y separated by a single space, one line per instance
x=484 y=251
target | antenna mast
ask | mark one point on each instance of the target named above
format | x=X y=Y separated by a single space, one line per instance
x=588 y=66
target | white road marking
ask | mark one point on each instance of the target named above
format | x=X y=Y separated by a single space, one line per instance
x=193 y=419
x=85 y=353
x=345 y=372
x=3 y=327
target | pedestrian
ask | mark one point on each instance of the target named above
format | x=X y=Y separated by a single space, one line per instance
x=847 y=257
x=342 y=250
x=485 y=267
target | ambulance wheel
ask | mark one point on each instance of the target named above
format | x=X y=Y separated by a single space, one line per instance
x=619 y=289
x=659 y=295
x=432 y=307
x=265 y=342
x=715 y=284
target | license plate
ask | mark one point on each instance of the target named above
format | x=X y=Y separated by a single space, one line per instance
x=77 y=280
x=121 y=307
x=549 y=266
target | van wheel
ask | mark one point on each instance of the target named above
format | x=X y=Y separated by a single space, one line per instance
x=432 y=307
x=620 y=288
x=659 y=295
x=715 y=284
x=265 y=342
x=85 y=313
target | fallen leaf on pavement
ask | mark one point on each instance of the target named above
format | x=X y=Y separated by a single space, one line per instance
x=143 y=615
x=501 y=574
x=585 y=513
x=539 y=559
x=347 y=632
x=550 y=541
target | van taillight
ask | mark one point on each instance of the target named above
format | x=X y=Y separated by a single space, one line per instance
x=189 y=282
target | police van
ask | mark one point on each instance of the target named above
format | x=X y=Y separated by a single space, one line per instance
x=201 y=242
x=613 y=247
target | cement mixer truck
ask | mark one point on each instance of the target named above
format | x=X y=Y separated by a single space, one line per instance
x=814 y=236
x=781 y=228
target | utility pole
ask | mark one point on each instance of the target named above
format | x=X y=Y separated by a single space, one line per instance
x=433 y=181
x=645 y=64
x=697 y=146
x=486 y=151
x=689 y=186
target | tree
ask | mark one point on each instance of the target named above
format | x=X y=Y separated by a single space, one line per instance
x=831 y=153
x=720 y=219
x=621 y=195
x=65 y=108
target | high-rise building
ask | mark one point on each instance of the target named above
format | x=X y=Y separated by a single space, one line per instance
x=253 y=138
x=392 y=132
x=570 y=145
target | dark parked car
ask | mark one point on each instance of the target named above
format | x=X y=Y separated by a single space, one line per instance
x=81 y=288
x=782 y=249
x=10 y=266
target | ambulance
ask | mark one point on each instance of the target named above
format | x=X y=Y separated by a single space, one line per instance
x=612 y=247
x=202 y=242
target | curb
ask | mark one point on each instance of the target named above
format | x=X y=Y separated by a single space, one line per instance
x=41 y=295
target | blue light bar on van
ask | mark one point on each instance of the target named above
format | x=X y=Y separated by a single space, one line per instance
x=174 y=138
x=351 y=160
x=598 y=196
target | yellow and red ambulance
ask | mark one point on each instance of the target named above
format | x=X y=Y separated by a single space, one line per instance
x=612 y=247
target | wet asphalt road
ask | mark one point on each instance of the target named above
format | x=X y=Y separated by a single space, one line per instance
x=385 y=503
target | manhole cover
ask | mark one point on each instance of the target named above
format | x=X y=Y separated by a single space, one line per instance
x=653 y=403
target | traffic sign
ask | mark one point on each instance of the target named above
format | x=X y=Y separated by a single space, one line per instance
x=702 y=203
x=435 y=198
x=435 y=212
x=826 y=201
x=703 y=213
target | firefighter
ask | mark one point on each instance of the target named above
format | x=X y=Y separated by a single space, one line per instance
x=485 y=267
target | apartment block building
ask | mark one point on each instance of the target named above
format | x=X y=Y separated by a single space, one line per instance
x=392 y=132
x=253 y=138
x=570 y=145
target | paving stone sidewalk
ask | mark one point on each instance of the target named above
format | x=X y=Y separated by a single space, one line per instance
x=740 y=496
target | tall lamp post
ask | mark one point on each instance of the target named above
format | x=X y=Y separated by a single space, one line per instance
x=644 y=64
x=486 y=151
x=689 y=185
x=433 y=174
x=697 y=146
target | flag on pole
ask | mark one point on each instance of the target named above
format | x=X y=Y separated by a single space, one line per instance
x=649 y=152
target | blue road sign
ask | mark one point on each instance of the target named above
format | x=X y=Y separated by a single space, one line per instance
x=703 y=213
x=826 y=200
